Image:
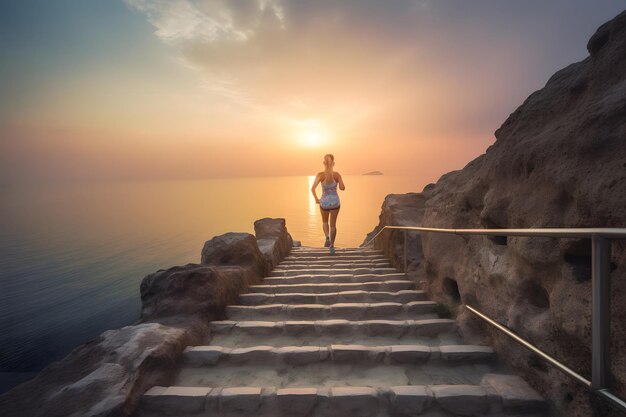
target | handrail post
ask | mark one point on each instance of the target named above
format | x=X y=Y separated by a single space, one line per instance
x=405 y=260
x=600 y=312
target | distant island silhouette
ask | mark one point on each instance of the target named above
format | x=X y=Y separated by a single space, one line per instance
x=373 y=173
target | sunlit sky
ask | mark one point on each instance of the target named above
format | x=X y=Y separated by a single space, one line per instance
x=159 y=89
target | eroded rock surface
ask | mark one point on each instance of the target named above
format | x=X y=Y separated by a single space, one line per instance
x=193 y=289
x=273 y=240
x=239 y=249
x=559 y=160
x=103 y=377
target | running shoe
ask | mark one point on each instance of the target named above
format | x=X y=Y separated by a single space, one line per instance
x=332 y=249
x=327 y=243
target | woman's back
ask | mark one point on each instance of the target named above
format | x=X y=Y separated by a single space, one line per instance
x=330 y=187
x=329 y=201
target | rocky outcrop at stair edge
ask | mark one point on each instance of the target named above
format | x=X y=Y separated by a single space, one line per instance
x=559 y=161
x=273 y=240
x=107 y=376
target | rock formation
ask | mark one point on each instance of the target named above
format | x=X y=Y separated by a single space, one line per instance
x=559 y=160
x=106 y=376
x=273 y=240
x=238 y=249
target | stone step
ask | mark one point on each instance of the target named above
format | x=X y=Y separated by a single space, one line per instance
x=338 y=250
x=510 y=395
x=396 y=328
x=241 y=339
x=343 y=258
x=389 y=286
x=362 y=372
x=402 y=296
x=333 y=265
x=350 y=311
x=280 y=272
x=334 y=278
x=339 y=353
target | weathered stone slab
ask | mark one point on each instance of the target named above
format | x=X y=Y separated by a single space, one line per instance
x=355 y=353
x=254 y=354
x=296 y=401
x=259 y=327
x=384 y=309
x=350 y=311
x=175 y=399
x=204 y=355
x=355 y=401
x=337 y=326
x=515 y=392
x=402 y=296
x=420 y=307
x=222 y=326
x=385 y=327
x=240 y=399
x=409 y=400
x=409 y=354
x=295 y=327
x=295 y=298
x=302 y=355
x=326 y=298
x=254 y=298
x=308 y=311
x=251 y=311
x=465 y=400
x=396 y=285
x=433 y=327
x=466 y=352
x=354 y=296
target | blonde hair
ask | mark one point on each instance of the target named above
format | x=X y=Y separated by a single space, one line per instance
x=329 y=155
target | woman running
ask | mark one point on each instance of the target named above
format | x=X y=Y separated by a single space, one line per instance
x=329 y=202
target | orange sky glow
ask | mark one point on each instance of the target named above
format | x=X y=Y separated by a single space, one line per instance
x=196 y=89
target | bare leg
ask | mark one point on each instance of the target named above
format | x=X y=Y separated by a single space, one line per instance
x=325 y=215
x=333 y=225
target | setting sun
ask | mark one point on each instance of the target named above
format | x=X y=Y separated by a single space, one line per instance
x=312 y=133
x=313 y=138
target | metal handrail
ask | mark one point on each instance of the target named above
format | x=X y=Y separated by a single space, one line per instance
x=601 y=296
x=580 y=232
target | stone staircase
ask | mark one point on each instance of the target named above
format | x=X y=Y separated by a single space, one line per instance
x=342 y=335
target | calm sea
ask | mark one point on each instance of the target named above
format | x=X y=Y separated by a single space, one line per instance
x=72 y=256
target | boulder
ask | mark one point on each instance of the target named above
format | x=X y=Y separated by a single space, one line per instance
x=559 y=160
x=104 y=377
x=400 y=210
x=193 y=289
x=273 y=240
x=238 y=249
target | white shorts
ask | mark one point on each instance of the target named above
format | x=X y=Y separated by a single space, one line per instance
x=329 y=202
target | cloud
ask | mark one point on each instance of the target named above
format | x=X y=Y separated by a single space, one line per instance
x=181 y=21
x=424 y=68
x=297 y=59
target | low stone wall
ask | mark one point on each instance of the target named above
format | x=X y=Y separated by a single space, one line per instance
x=108 y=375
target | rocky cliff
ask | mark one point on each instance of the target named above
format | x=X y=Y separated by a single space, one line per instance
x=107 y=376
x=559 y=160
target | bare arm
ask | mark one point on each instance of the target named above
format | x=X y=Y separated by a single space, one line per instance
x=314 y=186
x=342 y=186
